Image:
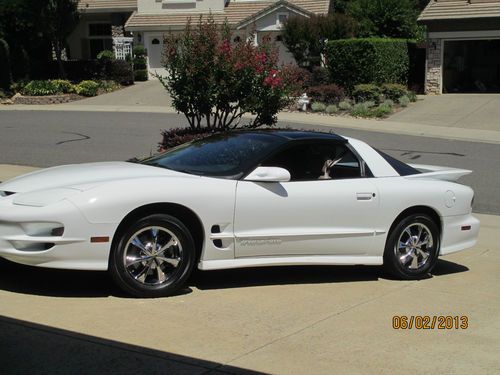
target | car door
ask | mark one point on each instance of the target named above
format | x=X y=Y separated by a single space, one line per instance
x=307 y=215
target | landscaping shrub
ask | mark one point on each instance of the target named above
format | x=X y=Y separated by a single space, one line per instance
x=40 y=88
x=108 y=86
x=140 y=63
x=214 y=82
x=139 y=50
x=87 y=88
x=318 y=107
x=389 y=103
x=63 y=86
x=299 y=79
x=360 y=110
x=365 y=92
x=381 y=111
x=370 y=104
x=404 y=101
x=330 y=94
x=5 y=72
x=356 y=61
x=319 y=76
x=141 y=75
x=106 y=55
x=393 y=91
x=331 y=109
x=412 y=96
x=119 y=71
x=344 y=105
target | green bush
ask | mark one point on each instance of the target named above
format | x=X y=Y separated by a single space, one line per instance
x=370 y=104
x=393 y=91
x=412 y=96
x=108 y=86
x=141 y=75
x=360 y=110
x=87 y=88
x=140 y=63
x=63 y=86
x=5 y=72
x=119 y=71
x=40 y=88
x=345 y=105
x=372 y=60
x=404 y=101
x=381 y=111
x=331 y=109
x=366 y=92
x=139 y=50
x=106 y=55
x=318 y=107
x=389 y=103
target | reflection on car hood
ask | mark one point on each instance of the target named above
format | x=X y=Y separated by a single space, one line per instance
x=83 y=176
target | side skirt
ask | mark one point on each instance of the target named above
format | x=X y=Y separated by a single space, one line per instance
x=207 y=265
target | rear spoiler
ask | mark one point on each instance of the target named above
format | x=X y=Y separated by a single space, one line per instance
x=438 y=173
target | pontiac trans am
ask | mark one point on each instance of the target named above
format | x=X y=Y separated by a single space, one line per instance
x=241 y=199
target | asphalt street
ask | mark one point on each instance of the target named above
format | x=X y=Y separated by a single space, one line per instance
x=47 y=138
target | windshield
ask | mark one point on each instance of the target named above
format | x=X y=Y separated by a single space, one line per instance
x=222 y=155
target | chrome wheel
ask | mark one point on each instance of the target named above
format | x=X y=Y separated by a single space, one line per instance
x=414 y=246
x=152 y=255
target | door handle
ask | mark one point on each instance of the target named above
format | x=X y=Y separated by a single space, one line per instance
x=365 y=196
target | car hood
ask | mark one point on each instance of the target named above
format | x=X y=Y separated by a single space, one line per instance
x=83 y=176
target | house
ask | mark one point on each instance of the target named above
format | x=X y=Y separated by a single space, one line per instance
x=101 y=27
x=257 y=19
x=463 y=46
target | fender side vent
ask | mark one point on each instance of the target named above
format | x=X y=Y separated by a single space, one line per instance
x=6 y=193
x=215 y=229
x=218 y=243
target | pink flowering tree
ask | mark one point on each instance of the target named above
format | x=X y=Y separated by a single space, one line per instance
x=215 y=82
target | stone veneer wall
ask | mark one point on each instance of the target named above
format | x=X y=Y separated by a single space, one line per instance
x=434 y=67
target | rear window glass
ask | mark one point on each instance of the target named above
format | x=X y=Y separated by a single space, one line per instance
x=402 y=168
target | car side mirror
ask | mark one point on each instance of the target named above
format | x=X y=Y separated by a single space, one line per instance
x=269 y=174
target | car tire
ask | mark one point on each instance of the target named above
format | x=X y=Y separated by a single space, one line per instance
x=412 y=248
x=153 y=257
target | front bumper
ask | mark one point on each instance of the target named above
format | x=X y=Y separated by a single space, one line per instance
x=459 y=233
x=72 y=250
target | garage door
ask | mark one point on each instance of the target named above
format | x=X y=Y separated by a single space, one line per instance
x=471 y=66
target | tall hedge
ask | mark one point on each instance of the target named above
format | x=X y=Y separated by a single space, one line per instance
x=5 y=73
x=371 y=60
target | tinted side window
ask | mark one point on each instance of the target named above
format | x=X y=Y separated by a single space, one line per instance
x=313 y=161
x=402 y=168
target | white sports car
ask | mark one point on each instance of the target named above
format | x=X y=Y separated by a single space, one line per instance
x=242 y=199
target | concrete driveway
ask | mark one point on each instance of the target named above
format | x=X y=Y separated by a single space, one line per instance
x=141 y=94
x=289 y=320
x=472 y=111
